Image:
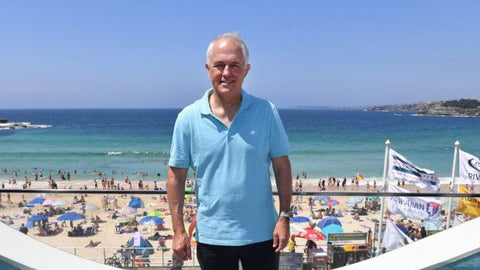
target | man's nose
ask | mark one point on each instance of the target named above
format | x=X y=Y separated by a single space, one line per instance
x=227 y=70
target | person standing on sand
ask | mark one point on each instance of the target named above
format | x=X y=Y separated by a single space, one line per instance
x=229 y=138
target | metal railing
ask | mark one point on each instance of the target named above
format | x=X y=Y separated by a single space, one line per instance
x=163 y=258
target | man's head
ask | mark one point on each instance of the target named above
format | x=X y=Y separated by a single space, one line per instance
x=227 y=64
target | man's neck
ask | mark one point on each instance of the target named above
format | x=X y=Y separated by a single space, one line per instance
x=225 y=108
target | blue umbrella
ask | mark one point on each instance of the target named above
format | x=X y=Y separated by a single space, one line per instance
x=37 y=218
x=299 y=219
x=151 y=220
x=35 y=201
x=332 y=228
x=70 y=216
x=327 y=221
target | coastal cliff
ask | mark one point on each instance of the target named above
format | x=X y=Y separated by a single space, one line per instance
x=456 y=108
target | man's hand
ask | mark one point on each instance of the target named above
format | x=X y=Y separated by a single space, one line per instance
x=181 y=246
x=281 y=234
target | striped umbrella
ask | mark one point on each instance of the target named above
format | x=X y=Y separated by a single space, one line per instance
x=123 y=219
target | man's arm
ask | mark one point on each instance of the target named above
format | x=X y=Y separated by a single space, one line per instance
x=283 y=179
x=176 y=195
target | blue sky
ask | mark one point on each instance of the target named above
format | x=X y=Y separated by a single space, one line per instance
x=151 y=54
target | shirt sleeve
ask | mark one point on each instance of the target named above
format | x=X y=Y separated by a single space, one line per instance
x=180 y=149
x=279 y=145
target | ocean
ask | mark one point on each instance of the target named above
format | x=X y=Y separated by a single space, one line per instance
x=136 y=142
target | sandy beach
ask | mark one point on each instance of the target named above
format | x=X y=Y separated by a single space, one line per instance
x=110 y=240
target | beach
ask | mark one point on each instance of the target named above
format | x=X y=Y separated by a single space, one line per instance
x=109 y=240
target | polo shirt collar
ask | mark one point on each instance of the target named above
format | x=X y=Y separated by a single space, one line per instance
x=205 y=106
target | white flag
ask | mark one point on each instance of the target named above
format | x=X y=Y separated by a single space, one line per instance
x=400 y=169
x=469 y=168
x=394 y=237
x=413 y=207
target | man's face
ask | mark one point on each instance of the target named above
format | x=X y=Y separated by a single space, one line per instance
x=226 y=67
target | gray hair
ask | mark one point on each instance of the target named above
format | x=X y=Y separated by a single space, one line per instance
x=235 y=36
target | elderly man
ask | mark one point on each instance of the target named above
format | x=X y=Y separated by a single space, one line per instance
x=229 y=138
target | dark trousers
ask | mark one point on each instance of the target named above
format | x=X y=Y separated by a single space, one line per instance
x=261 y=256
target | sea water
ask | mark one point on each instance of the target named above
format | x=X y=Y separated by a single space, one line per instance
x=136 y=142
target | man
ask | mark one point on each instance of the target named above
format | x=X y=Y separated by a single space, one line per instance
x=229 y=138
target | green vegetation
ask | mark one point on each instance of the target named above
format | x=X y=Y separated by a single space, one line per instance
x=462 y=103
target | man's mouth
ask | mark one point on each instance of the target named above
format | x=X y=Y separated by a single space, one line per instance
x=227 y=81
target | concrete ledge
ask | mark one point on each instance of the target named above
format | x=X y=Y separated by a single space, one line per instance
x=24 y=252
x=430 y=253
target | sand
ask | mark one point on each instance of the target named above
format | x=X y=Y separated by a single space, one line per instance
x=110 y=241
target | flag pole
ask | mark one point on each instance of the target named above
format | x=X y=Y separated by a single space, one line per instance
x=454 y=168
x=382 y=206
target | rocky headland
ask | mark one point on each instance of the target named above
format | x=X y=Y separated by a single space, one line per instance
x=455 y=108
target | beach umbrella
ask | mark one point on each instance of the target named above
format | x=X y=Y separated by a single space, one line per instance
x=331 y=203
x=328 y=221
x=127 y=210
x=48 y=201
x=354 y=200
x=156 y=214
x=59 y=203
x=37 y=218
x=35 y=201
x=332 y=228
x=299 y=219
x=71 y=216
x=310 y=234
x=151 y=220
x=123 y=219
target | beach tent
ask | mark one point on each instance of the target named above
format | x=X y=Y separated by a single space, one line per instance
x=328 y=221
x=136 y=202
x=332 y=228
x=145 y=246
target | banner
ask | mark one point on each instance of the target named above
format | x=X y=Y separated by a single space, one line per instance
x=413 y=207
x=469 y=168
x=469 y=206
x=394 y=237
x=400 y=169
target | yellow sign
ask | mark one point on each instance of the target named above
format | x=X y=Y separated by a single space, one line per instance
x=468 y=206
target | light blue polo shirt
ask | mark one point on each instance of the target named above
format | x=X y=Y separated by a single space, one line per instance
x=232 y=165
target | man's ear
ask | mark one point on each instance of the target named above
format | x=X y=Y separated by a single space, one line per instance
x=247 y=69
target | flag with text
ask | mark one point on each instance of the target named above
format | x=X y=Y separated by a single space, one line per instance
x=401 y=169
x=469 y=168
x=413 y=207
